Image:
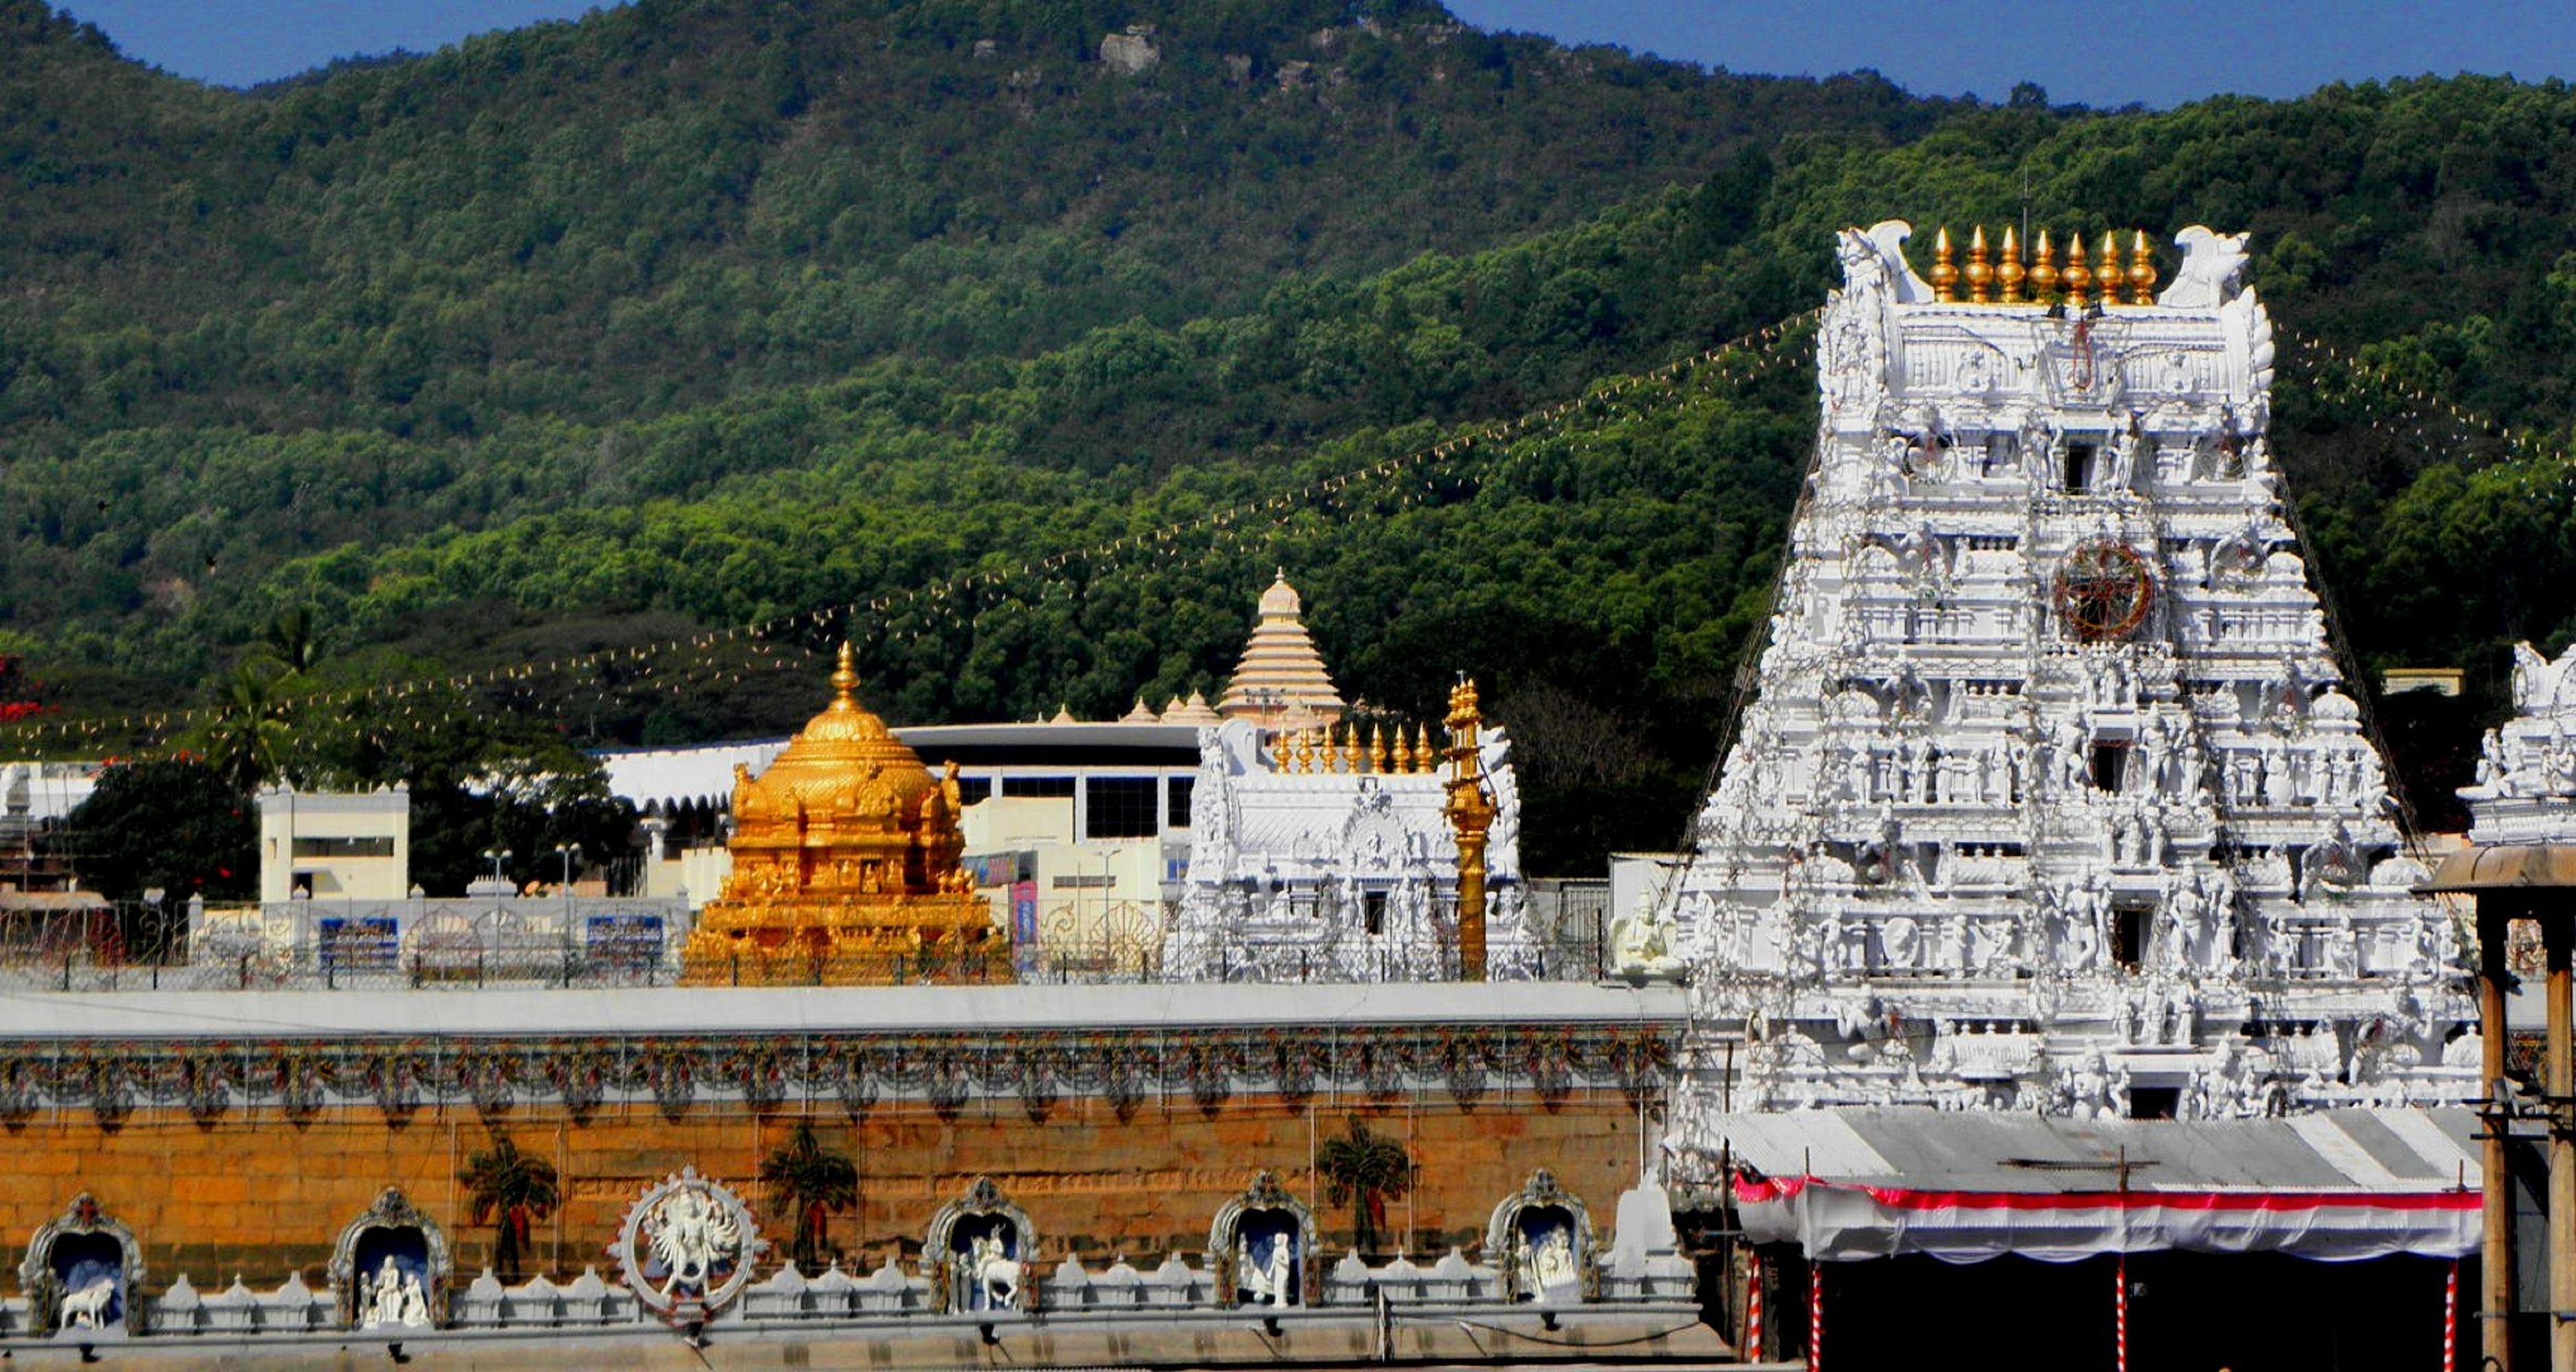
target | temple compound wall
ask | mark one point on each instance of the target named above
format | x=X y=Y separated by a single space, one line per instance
x=251 y=1138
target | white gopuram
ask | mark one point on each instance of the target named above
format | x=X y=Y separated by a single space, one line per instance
x=2053 y=797
x=1324 y=855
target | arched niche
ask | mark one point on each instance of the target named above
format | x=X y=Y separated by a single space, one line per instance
x=977 y=1252
x=70 y=1259
x=1262 y=1246
x=390 y=1268
x=1541 y=1239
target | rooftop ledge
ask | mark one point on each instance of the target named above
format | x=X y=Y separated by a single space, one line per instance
x=824 y=1010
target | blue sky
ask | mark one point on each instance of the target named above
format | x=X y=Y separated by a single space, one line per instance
x=2154 y=52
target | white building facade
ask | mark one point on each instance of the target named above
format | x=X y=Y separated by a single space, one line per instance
x=2054 y=795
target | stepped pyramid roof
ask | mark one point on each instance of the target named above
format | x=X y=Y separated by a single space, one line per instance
x=1281 y=681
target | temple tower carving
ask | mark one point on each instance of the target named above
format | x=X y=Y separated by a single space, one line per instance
x=2054 y=795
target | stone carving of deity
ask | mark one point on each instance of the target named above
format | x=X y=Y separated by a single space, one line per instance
x=1271 y=1281
x=1900 y=940
x=1547 y=1262
x=2066 y=747
x=393 y=1298
x=1991 y=951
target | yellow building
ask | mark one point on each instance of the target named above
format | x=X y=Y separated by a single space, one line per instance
x=845 y=867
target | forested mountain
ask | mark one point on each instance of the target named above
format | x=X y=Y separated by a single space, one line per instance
x=696 y=312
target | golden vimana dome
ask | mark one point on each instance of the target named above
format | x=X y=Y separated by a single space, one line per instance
x=845 y=763
x=845 y=866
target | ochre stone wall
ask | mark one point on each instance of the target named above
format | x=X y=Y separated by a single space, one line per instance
x=258 y=1194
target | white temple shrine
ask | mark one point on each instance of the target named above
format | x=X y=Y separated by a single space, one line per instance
x=1322 y=852
x=2526 y=781
x=2054 y=796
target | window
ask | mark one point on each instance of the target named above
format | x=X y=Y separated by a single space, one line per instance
x=1122 y=807
x=2129 y=933
x=1176 y=810
x=2154 y=1102
x=1373 y=910
x=974 y=790
x=2110 y=766
x=1038 y=786
x=2079 y=467
x=371 y=847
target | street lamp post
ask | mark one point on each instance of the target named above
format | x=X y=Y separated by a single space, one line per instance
x=567 y=851
x=497 y=856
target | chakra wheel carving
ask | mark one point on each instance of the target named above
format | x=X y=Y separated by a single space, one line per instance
x=2103 y=592
x=687 y=1247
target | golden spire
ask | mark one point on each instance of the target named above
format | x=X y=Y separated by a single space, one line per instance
x=2009 y=273
x=1471 y=813
x=1414 y=754
x=1945 y=273
x=2142 y=271
x=1980 y=276
x=2079 y=277
x=1353 y=755
x=845 y=679
x=2107 y=271
x=2043 y=271
x=1377 y=746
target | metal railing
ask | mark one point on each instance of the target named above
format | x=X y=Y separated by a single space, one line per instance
x=469 y=945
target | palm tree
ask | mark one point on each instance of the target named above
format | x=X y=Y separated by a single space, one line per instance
x=292 y=640
x=245 y=739
x=1369 y=1169
x=809 y=1183
x=510 y=1190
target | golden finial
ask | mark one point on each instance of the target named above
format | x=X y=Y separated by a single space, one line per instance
x=1462 y=706
x=1305 y=750
x=1353 y=754
x=2008 y=272
x=1945 y=273
x=845 y=679
x=1980 y=276
x=1377 y=746
x=2078 y=277
x=1420 y=752
x=2107 y=271
x=2043 y=271
x=2142 y=271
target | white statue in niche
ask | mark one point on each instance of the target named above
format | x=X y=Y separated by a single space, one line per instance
x=1268 y=1280
x=1547 y=1263
x=1642 y=948
x=87 y=1307
x=994 y=1274
x=394 y=1298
